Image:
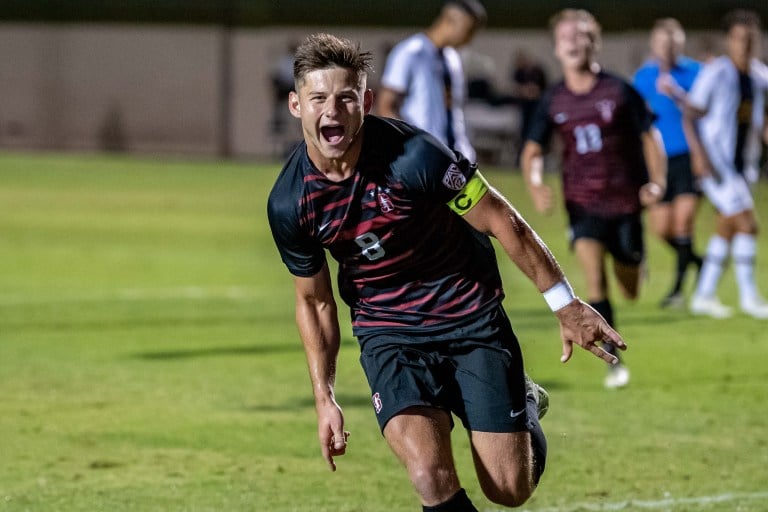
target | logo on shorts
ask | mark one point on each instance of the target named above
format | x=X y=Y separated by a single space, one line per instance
x=376 y=402
x=453 y=179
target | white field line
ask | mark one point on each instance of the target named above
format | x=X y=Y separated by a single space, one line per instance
x=139 y=294
x=667 y=504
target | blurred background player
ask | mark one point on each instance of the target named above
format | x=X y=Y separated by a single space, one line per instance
x=423 y=81
x=663 y=80
x=724 y=119
x=609 y=149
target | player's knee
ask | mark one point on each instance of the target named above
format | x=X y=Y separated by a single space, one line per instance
x=509 y=490
x=433 y=482
x=509 y=496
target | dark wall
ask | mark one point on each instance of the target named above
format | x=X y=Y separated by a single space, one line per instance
x=613 y=14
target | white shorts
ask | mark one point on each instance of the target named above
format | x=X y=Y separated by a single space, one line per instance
x=731 y=196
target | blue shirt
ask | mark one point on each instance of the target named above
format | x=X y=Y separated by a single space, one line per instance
x=669 y=118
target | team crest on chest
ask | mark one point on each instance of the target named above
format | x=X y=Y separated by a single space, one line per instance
x=385 y=203
x=453 y=179
x=606 y=108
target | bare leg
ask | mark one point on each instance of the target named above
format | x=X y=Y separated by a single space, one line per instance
x=505 y=466
x=421 y=439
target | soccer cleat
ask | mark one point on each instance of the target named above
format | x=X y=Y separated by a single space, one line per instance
x=674 y=300
x=709 y=306
x=618 y=376
x=755 y=307
x=539 y=395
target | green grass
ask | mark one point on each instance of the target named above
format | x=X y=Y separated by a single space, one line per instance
x=149 y=361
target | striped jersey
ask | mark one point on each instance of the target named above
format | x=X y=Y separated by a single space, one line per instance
x=406 y=260
x=603 y=163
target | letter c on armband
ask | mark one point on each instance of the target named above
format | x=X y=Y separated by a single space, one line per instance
x=468 y=196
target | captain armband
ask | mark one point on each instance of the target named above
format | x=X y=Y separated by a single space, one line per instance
x=469 y=196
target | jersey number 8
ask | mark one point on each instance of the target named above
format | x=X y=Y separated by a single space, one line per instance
x=371 y=246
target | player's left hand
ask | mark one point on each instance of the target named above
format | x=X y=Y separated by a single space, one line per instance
x=582 y=325
x=651 y=193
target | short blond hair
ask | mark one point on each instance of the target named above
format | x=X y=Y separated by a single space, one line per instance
x=582 y=15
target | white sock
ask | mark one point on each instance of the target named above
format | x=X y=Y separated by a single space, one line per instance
x=743 y=249
x=717 y=252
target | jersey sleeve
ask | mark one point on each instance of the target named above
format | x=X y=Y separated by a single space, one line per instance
x=640 y=114
x=303 y=255
x=434 y=172
x=703 y=85
x=397 y=70
x=541 y=125
x=643 y=81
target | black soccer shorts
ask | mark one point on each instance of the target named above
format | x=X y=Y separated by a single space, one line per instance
x=474 y=371
x=622 y=235
x=680 y=179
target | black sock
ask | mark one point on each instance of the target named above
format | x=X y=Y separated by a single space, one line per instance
x=538 y=440
x=683 y=246
x=604 y=308
x=458 y=503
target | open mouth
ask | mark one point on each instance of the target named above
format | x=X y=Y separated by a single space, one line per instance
x=333 y=134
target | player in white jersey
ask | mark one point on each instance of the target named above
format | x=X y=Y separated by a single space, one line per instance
x=423 y=81
x=724 y=119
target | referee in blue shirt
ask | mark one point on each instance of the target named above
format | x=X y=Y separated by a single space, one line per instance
x=663 y=80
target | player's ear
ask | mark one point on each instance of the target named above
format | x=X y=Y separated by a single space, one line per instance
x=294 y=105
x=367 y=101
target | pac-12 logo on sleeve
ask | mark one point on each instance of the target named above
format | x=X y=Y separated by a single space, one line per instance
x=376 y=402
x=453 y=179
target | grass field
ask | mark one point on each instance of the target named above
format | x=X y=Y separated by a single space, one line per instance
x=149 y=362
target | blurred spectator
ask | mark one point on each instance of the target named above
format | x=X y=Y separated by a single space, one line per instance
x=529 y=80
x=281 y=77
x=664 y=80
x=423 y=81
x=724 y=119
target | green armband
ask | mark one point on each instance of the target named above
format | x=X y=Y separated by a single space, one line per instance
x=468 y=197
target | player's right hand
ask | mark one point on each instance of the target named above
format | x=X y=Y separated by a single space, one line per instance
x=542 y=198
x=330 y=430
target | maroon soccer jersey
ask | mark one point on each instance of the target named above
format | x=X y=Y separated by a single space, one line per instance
x=603 y=163
x=406 y=261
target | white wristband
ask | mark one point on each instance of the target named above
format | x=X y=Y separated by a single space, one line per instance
x=559 y=296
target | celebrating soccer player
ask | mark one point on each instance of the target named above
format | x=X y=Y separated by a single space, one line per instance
x=408 y=221
x=610 y=148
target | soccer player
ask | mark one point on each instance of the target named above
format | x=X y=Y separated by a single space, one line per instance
x=609 y=150
x=663 y=80
x=423 y=81
x=408 y=221
x=724 y=119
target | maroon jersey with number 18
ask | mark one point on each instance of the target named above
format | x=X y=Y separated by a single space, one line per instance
x=603 y=164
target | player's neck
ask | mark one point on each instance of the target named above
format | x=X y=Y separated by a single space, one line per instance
x=581 y=80
x=336 y=169
x=434 y=34
x=742 y=64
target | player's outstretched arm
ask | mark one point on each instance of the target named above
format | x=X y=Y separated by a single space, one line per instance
x=319 y=331
x=579 y=323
